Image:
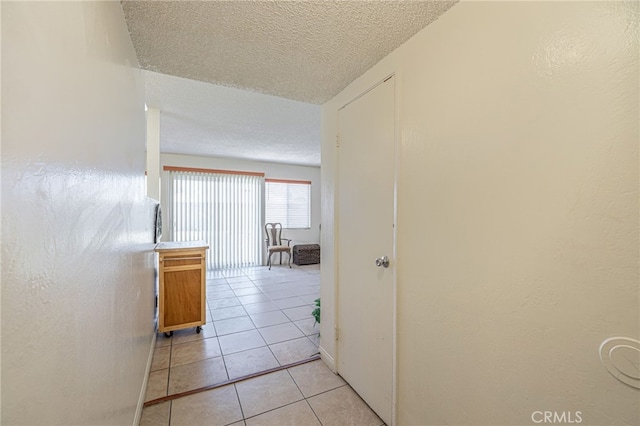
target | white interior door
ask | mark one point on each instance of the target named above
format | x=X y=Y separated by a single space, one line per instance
x=366 y=232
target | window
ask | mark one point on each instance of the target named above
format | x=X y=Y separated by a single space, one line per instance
x=288 y=202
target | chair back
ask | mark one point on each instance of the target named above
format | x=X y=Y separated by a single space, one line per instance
x=274 y=234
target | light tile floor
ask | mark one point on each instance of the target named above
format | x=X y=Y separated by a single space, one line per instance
x=308 y=394
x=256 y=320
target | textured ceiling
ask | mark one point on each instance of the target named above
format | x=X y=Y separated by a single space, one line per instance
x=199 y=118
x=302 y=50
x=199 y=54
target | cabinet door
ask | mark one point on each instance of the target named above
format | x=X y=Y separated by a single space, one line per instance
x=182 y=297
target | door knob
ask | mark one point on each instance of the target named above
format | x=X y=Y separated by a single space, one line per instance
x=382 y=261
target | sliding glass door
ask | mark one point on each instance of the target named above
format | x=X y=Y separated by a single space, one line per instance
x=225 y=210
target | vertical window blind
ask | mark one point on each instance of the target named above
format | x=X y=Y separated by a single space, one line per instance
x=222 y=208
x=288 y=202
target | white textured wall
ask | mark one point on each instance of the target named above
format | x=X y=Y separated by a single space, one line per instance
x=77 y=265
x=517 y=211
x=270 y=170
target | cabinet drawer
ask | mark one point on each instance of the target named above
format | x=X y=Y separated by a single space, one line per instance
x=185 y=260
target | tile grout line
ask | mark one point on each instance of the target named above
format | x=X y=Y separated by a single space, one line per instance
x=312 y=410
x=277 y=408
x=273 y=354
x=169 y=368
x=305 y=399
x=235 y=388
x=224 y=361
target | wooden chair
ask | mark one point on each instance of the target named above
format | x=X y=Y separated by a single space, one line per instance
x=274 y=242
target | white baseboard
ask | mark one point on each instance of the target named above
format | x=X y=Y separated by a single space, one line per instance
x=328 y=359
x=143 y=391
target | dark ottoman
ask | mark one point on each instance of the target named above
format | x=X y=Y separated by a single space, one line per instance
x=306 y=254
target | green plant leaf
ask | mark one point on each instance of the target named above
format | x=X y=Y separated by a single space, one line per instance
x=316 y=312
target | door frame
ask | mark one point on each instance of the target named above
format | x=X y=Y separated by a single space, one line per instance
x=394 y=258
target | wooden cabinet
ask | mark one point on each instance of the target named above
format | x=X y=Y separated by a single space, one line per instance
x=181 y=292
